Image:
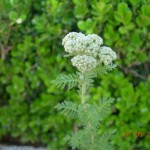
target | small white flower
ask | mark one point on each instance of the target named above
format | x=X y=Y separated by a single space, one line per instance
x=84 y=63
x=19 y=21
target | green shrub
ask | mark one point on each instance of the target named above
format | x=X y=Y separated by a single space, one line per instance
x=31 y=55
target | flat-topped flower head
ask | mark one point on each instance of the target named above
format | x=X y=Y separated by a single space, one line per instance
x=84 y=63
x=87 y=50
x=79 y=44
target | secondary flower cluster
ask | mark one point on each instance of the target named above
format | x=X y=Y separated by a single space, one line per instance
x=87 y=51
x=84 y=63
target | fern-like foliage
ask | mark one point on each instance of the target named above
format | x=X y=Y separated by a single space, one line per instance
x=68 y=109
x=101 y=69
x=88 y=139
x=103 y=141
x=71 y=80
x=89 y=79
x=111 y=67
x=104 y=107
x=76 y=139
x=81 y=139
x=89 y=117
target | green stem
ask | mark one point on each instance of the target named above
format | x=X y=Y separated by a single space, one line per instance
x=83 y=93
x=83 y=101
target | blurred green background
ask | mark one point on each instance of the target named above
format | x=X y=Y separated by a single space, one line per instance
x=31 y=32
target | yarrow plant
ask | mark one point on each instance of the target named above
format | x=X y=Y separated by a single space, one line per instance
x=91 y=59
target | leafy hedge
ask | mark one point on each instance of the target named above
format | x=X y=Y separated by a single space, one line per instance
x=32 y=55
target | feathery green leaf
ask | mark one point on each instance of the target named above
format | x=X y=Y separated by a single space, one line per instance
x=89 y=78
x=70 y=80
x=89 y=117
x=104 y=107
x=101 y=69
x=68 y=109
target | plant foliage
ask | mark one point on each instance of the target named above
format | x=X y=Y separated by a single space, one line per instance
x=89 y=116
x=71 y=80
x=68 y=109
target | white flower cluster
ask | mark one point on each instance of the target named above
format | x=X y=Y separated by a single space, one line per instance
x=78 y=43
x=87 y=50
x=84 y=63
x=70 y=42
x=106 y=55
